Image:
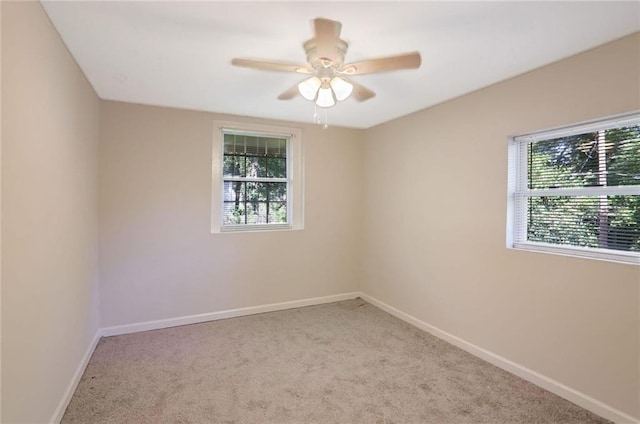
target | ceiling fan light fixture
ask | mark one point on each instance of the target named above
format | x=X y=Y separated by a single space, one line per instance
x=342 y=88
x=309 y=87
x=325 y=97
x=328 y=79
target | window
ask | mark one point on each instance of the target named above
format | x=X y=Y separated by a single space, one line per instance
x=257 y=178
x=576 y=190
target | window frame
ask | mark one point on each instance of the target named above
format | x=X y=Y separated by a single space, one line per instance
x=518 y=191
x=294 y=179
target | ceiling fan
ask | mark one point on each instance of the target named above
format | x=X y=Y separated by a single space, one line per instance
x=328 y=81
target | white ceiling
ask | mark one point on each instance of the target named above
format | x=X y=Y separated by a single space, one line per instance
x=179 y=53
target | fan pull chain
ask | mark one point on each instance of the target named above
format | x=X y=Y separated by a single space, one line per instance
x=320 y=116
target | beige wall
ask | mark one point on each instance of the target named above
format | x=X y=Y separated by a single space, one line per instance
x=50 y=131
x=437 y=253
x=440 y=254
x=0 y=214
x=158 y=258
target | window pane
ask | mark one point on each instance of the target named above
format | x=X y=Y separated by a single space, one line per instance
x=254 y=203
x=262 y=167
x=233 y=191
x=276 y=168
x=234 y=144
x=254 y=156
x=602 y=158
x=609 y=222
x=265 y=146
x=275 y=191
x=623 y=156
x=256 y=213
x=254 y=146
x=278 y=212
x=234 y=166
x=277 y=147
x=253 y=166
x=266 y=213
x=253 y=194
x=563 y=162
x=233 y=214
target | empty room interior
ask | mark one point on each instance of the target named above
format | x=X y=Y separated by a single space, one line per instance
x=302 y=212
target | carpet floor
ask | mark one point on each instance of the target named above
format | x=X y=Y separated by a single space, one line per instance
x=344 y=362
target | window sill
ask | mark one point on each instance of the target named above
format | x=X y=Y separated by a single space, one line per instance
x=629 y=258
x=255 y=228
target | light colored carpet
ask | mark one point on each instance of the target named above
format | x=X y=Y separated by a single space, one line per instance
x=344 y=362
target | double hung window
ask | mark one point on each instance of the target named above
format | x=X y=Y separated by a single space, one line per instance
x=576 y=190
x=257 y=177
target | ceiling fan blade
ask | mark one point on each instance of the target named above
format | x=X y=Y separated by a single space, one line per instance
x=361 y=93
x=383 y=64
x=272 y=66
x=289 y=94
x=326 y=32
x=326 y=29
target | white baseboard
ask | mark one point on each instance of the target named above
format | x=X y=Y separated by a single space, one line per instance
x=231 y=313
x=73 y=384
x=581 y=399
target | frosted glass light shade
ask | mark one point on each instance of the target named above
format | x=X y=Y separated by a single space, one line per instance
x=309 y=87
x=342 y=88
x=325 y=97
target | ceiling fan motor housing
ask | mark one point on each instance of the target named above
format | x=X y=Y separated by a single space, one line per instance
x=319 y=59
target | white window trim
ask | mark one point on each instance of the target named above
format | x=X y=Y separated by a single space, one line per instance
x=517 y=194
x=295 y=177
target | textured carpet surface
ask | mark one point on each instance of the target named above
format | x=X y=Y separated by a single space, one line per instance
x=344 y=362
